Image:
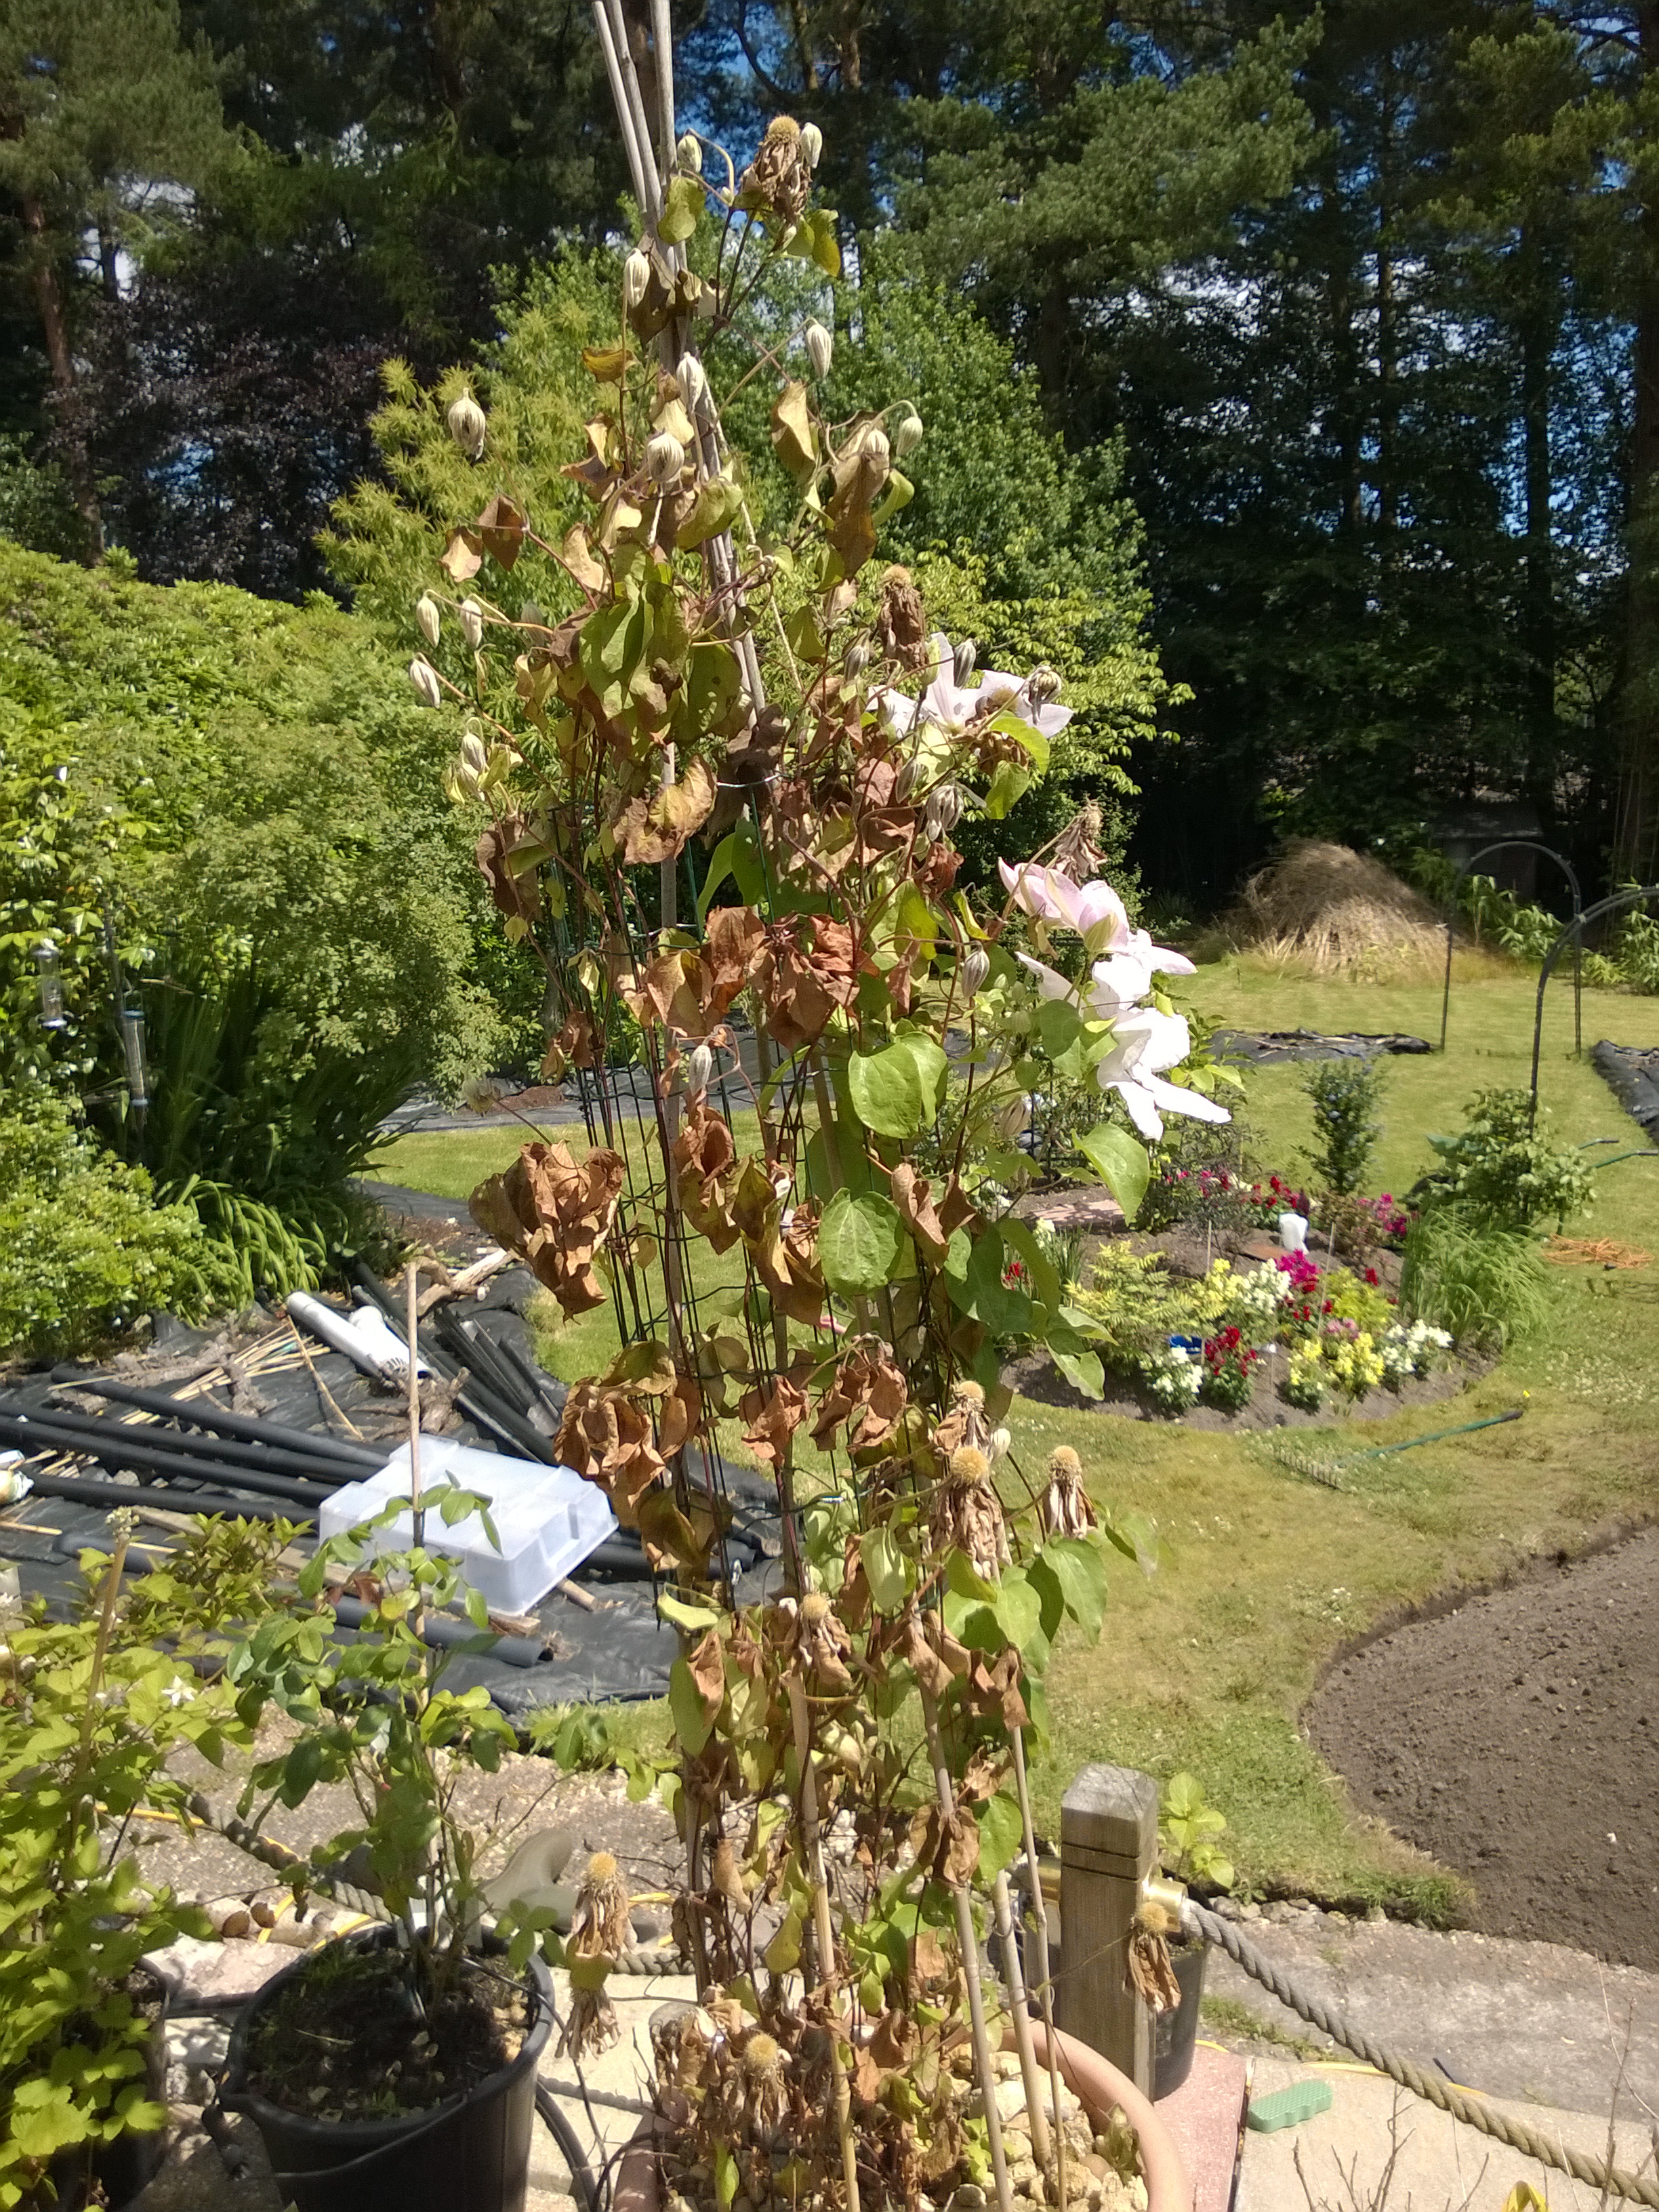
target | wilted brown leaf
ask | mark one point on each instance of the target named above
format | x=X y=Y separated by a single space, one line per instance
x=912 y=1194
x=655 y=827
x=773 y=1414
x=555 y=1214
x=501 y=530
x=462 y=556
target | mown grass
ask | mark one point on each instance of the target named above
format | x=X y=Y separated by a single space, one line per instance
x=1209 y=1663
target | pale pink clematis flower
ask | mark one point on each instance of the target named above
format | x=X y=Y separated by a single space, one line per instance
x=1051 y=895
x=950 y=706
x=1144 y=1044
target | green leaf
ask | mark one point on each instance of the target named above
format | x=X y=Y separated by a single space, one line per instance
x=1019 y=1238
x=1078 y=1360
x=682 y=209
x=1005 y=1312
x=1080 y=1572
x=1119 y=1163
x=897 y=1092
x=1018 y=1609
x=1009 y=785
x=887 y=1569
x=1058 y=1024
x=692 y=1726
x=962 y=1576
x=782 y=1953
x=1002 y=1832
x=725 y=2177
x=859 y=1242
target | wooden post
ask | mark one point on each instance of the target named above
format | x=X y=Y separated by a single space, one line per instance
x=1108 y=1847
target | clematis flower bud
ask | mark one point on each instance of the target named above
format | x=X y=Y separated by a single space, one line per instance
x=1043 y=684
x=473 y=623
x=427 y=614
x=636 y=276
x=531 y=612
x=942 y=811
x=1002 y=1443
x=664 y=456
x=972 y=969
x=1012 y=1119
x=967 y=655
x=908 y=436
x=699 y=1070
x=820 y=349
x=467 y=426
x=693 y=383
x=812 y=144
x=423 y=678
x=875 y=444
x=474 y=752
x=905 y=781
x=855 y=661
x=688 y=155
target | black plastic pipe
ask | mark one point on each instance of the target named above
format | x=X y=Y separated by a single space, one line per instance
x=88 y=1489
x=202 y=1414
x=297 y=1465
x=112 y=1451
x=516 y=1650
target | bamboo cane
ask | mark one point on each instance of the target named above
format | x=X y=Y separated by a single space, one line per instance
x=1016 y=1980
x=967 y=1943
x=824 y=1932
x=1045 y=1979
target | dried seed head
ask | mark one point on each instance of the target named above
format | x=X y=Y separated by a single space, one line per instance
x=1043 y=684
x=1064 y=1462
x=972 y=969
x=473 y=623
x=423 y=680
x=429 y=616
x=601 y=1866
x=820 y=349
x=690 y=375
x=812 y=144
x=968 y=1465
x=968 y=1393
x=636 y=276
x=814 y=1608
x=908 y=436
x=760 y=2053
x=467 y=426
x=688 y=155
x=665 y=458
x=967 y=655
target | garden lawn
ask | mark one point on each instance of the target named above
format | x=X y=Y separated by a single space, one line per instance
x=1208 y=1664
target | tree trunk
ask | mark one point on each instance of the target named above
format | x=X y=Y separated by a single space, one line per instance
x=1537 y=335
x=1635 y=813
x=54 y=324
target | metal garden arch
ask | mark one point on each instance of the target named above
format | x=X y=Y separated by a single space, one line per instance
x=1530 y=845
x=1615 y=902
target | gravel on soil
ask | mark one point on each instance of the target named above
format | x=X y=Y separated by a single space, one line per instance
x=1516 y=1738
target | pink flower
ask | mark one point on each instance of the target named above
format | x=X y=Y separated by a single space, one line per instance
x=949 y=707
x=1050 y=894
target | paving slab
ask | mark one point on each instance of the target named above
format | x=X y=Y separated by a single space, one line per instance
x=1204 y=2116
x=1374 y=2133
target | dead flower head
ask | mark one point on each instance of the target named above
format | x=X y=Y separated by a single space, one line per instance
x=967 y=1422
x=968 y=1514
x=822 y=1645
x=1064 y=1509
x=779 y=175
x=599 y=1925
x=763 y=2065
x=901 y=623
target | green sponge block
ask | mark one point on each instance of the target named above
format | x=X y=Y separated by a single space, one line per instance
x=1288 y=2108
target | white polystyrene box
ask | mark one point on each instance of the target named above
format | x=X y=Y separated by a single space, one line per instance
x=548 y=1518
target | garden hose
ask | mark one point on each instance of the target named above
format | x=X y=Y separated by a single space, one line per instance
x=1595 y=2172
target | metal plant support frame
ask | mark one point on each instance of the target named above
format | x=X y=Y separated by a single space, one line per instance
x=1529 y=845
x=1615 y=902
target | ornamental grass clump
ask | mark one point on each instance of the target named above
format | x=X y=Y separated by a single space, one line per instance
x=784 y=702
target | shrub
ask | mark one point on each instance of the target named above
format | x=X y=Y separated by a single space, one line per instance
x=1503 y=1170
x=1484 y=1283
x=1345 y=1095
x=84 y=1249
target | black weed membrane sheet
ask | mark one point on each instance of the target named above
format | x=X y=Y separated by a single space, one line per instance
x=87 y=1454
x=1633 y=1072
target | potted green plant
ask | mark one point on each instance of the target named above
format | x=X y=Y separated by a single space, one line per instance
x=403 y=2058
x=92 y=1708
x=1189 y=1851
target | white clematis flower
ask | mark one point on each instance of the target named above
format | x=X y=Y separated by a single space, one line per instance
x=1051 y=895
x=1143 y=1043
x=949 y=707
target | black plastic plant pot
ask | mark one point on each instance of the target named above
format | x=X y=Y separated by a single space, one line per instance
x=473 y=2150
x=1175 y=2034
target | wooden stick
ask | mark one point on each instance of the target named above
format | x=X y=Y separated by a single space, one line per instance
x=826 y=1933
x=1045 y=1979
x=417 y=1512
x=967 y=1943
x=1027 y=2066
x=331 y=1404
